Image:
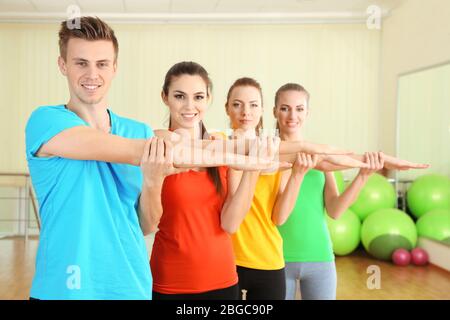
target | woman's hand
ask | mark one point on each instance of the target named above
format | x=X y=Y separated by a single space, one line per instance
x=374 y=161
x=304 y=163
x=393 y=163
x=157 y=161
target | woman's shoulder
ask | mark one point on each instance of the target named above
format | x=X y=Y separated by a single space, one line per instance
x=166 y=134
x=218 y=136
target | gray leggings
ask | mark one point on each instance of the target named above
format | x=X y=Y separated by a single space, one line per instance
x=317 y=280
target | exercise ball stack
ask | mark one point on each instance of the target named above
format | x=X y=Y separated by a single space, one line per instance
x=428 y=192
x=345 y=232
x=387 y=230
x=435 y=225
x=378 y=193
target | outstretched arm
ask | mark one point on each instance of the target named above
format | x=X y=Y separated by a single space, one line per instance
x=341 y=162
x=393 y=163
x=330 y=162
x=242 y=146
x=85 y=143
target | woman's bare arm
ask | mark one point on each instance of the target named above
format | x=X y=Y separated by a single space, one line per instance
x=242 y=146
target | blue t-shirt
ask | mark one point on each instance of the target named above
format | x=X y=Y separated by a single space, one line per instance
x=91 y=245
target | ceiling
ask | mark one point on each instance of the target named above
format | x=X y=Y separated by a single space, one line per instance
x=198 y=11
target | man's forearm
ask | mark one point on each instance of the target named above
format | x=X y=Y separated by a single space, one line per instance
x=84 y=143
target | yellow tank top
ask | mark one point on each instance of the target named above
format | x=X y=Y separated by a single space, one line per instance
x=257 y=243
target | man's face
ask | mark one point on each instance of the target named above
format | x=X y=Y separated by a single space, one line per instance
x=89 y=67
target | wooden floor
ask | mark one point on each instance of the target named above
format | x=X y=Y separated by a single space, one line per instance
x=430 y=282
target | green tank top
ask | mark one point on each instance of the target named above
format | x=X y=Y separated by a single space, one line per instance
x=305 y=234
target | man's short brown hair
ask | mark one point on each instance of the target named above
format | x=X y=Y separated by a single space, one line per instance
x=90 y=28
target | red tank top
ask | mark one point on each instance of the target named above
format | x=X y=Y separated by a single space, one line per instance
x=191 y=252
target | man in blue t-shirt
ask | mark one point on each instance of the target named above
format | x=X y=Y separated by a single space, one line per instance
x=84 y=164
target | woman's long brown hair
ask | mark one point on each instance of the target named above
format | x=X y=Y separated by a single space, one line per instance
x=194 y=69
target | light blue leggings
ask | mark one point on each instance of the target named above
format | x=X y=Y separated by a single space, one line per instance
x=318 y=280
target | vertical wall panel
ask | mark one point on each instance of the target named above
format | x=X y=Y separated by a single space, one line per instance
x=424 y=120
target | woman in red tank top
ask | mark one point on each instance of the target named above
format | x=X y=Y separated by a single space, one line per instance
x=192 y=256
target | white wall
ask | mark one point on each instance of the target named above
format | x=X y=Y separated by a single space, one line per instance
x=416 y=35
x=424 y=120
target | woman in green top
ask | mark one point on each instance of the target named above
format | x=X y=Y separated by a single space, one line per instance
x=306 y=242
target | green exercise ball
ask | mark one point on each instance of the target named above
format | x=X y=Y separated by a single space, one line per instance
x=386 y=230
x=428 y=192
x=339 y=177
x=345 y=232
x=378 y=193
x=435 y=225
